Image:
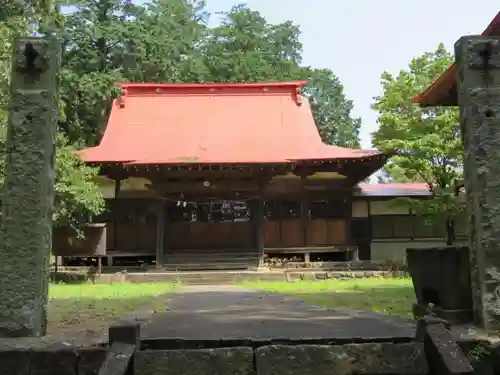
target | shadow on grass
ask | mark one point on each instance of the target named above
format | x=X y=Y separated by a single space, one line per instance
x=393 y=301
x=89 y=309
x=391 y=296
x=72 y=277
x=92 y=316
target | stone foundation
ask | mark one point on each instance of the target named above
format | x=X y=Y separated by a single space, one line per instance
x=221 y=277
x=253 y=359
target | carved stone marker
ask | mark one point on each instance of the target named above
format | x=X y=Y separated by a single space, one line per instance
x=477 y=62
x=27 y=198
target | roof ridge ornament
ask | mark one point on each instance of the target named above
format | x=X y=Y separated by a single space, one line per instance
x=121 y=99
x=298 y=96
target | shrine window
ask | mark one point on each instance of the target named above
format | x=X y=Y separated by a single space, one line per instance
x=132 y=210
x=209 y=211
x=331 y=209
x=179 y=212
x=393 y=226
x=430 y=228
x=281 y=210
x=361 y=229
x=201 y=212
x=272 y=210
x=403 y=226
x=290 y=210
x=240 y=211
x=382 y=226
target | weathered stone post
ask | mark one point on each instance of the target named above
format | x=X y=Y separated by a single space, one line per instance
x=27 y=199
x=477 y=62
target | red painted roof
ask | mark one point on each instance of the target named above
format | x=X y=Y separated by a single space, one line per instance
x=213 y=124
x=393 y=190
x=445 y=86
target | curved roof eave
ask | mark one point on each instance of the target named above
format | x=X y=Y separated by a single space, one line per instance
x=442 y=92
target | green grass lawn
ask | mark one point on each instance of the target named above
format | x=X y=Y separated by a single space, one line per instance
x=91 y=308
x=384 y=295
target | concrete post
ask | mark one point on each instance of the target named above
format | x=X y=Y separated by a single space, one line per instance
x=477 y=62
x=27 y=197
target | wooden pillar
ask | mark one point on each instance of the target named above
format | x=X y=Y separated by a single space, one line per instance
x=352 y=255
x=257 y=217
x=304 y=218
x=160 y=233
x=348 y=220
x=370 y=229
x=477 y=65
x=118 y=184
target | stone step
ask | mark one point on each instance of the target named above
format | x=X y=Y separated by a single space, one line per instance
x=203 y=277
x=210 y=259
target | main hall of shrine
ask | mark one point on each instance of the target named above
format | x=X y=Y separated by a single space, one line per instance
x=223 y=176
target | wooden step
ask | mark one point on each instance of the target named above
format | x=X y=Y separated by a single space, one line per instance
x=210 y=251
x=193 y=264
x=210 y=256
x=210 y=259
x=207 y=267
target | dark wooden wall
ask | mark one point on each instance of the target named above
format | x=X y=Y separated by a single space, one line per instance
x=299 y=233
x=133 y=236
x=132 y=226
x=209 y=235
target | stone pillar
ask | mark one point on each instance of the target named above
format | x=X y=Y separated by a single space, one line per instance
x=27 y=197
x=477 y=61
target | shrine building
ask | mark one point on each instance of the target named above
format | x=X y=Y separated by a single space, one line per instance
x=219 y=176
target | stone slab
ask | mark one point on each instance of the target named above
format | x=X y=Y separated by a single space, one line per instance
x=15 y=361
x=221 y=361
x=58 y=361
x=90 y=360
x=367 y=359
x=233 y=313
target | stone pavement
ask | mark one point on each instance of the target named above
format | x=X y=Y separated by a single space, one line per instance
x=224 y=311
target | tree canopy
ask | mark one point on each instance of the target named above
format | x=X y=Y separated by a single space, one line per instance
x=170 y=41
x=427 y=140
x=110 y=41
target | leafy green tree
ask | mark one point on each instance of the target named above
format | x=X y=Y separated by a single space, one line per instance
x=247 y=48
x=331 y=109
x=109 y=41
x=168 y=51
x=77 y=198
x=427 y=140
